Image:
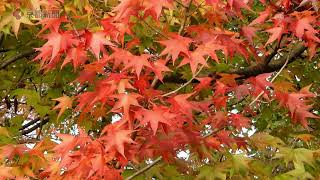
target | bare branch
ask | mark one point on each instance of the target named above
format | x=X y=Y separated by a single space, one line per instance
x=30 y=123
x=274 y=65
x=42 y=122
x=16 y=57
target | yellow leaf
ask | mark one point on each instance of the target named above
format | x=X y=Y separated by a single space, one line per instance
x=35 y=4
x=4 y=131
x=64 y=103
x=284 y=86
x=305 y=137
x=14 y=19
x=263 y=140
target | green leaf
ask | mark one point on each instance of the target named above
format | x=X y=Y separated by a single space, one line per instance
x=298 y=173
x=211 y=173
x=240 y=164
x=260 y=168
x=298 y=156
x=263 y=140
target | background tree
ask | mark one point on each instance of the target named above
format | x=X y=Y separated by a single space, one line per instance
x=167 y=89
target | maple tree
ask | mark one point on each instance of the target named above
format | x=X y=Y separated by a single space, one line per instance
x=167 y=89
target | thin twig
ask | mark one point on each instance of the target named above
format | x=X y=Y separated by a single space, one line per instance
x=156 y=161
x=154 y=29
x=154 y=82
x=184 y=21
x=199 y=5
x=180 y=3
x=274 y=78
x=185 y=84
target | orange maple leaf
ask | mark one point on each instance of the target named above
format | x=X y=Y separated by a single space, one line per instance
x=64 y=103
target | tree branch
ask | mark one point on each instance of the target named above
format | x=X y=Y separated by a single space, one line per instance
x=30 y=123
x=1 y=38
x=274 y=65
x=267 y=65
x=43 y=122
x=16 y=57
x=156 y=161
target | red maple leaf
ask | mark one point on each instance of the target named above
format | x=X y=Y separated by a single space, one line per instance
x=87 y=75
x=57 y=42
x=158 y=67
x=159 y=114
x=204 y=83
x=120 y=56
x=297 y=105
x=241 y=91
x=239 y=121
x=96 y=42
x=276 y=34
x=156 y=8
x=10 y=150
x=126 y=8
x=249 y=32
x=85 y=100
x=176 y=45
x=76 y=55
x=194 y=59
x=262 y=16
x=237 y=5
x=65 y=102
x=224 y=137
x=220 y=89
x=116 y=137
x=52 y=23
x=69 y=142
x=137 y=63
x=125 y=100
x=218 y=120
x=213 y=142
x=210 y=48
x=260 y=83
x=180 y=104
x=304 y=23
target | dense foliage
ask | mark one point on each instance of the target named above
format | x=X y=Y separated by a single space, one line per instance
x=166 y=89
